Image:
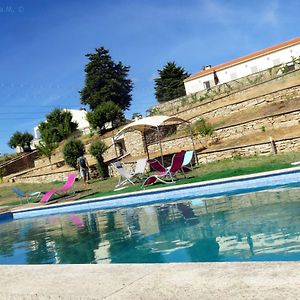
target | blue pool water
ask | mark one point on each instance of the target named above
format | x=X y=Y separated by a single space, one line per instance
x=257 y=226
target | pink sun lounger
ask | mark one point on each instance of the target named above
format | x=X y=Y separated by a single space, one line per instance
x=69 y=183
x=176 y=166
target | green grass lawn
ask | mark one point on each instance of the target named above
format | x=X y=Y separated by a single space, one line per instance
x=215 y=170
x=221 y=169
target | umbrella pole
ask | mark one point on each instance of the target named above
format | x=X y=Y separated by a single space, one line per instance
x=146 y=146
x=161 y=154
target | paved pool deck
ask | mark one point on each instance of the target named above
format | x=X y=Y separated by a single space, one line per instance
x=276 y=280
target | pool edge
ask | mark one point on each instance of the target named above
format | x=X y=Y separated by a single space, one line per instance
x=60 y=206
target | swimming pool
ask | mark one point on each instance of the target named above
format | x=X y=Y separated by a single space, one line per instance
x=256 y=226
x=228 y=186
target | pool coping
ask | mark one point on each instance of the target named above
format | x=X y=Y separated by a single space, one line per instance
x=260 y=280
x=121 y=196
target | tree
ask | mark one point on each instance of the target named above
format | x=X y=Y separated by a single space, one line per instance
x=136 y=116
x=22 y=140
x=105 y=113
x=105 y=81
x=97 y=149
x=72 y=150
x=169 y=85
x=57 y=127
x=46 y=149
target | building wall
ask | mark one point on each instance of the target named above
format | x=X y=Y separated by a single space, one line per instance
x=244 y=69
x=79 y=116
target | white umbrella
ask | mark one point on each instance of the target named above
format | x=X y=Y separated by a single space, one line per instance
x=154 y=122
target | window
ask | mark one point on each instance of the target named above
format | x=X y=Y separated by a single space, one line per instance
x=206 y=84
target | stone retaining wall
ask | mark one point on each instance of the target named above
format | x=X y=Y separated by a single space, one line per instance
x=260 y=125
x=18 y=164
x=233 y=89
x=285 y=145
x=44 y=161
x=208 y=112
x=185 y=143
x=48 y=177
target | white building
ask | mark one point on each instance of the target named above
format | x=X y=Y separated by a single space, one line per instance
x=78 y=116
x=243 y=66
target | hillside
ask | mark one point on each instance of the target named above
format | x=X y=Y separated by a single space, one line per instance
x=245 y=115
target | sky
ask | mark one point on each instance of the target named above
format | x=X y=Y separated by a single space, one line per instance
x=43 y=45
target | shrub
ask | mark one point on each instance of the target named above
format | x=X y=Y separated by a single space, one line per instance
x=97 y=149
x=202 y=127
x=57 y=127
x=73 y=149
x=46 y=149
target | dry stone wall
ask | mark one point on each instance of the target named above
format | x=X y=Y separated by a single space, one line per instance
x=234 y=89
x=47 y=177
x=18 y=164
x=172 y=145
x=285 y=146
x=255 y=126
x=225 y=107
x=134 y=143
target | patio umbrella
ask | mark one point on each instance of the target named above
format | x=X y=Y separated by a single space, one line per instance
x=155 y=123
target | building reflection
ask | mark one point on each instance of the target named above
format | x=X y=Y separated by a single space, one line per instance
x=243 y=227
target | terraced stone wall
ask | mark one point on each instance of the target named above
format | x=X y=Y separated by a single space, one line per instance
x=266 y=148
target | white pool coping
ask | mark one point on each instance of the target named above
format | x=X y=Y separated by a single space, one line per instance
x=260 y=280
x=146 y=196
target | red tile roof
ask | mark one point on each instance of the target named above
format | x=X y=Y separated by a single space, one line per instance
x=244 y=58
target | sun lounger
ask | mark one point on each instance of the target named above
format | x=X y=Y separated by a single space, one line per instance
x=23 y=195
x=127 y=177
x=162 y=172
x=68 y=185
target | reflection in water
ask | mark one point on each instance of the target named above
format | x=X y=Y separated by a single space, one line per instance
x=250 y=243
x=257 y=226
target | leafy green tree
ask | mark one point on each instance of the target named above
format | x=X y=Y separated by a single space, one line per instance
x=46 y=149
x=57 y=127
x=72 y=150
x=22 y=140
x=15 y=140
x=97 y=149
x=169 y=85
x=104 y=113
x=136 y=116
x=106 y=81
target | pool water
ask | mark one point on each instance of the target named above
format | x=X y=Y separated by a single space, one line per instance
x=258 y=226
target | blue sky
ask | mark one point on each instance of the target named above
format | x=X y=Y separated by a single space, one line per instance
x=43 y=43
